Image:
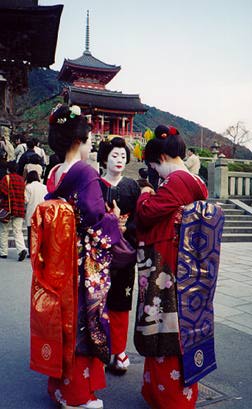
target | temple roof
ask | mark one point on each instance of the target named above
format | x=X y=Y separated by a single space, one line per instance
x=86 y=65
x=107 y=100
x=29 y=34
x=88 y=61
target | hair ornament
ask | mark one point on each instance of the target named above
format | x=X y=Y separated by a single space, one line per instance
x=61 y=113
x=163 y=131
x=75 y=111
x=173 y=130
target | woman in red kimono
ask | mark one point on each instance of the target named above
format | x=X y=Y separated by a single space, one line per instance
x=91 y=235
x=157 y=330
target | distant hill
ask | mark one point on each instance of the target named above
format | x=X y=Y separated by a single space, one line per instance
x=44 y=92
x=190 y=131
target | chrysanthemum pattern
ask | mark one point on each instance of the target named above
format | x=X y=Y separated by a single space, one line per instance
x=175 y=375
x=86 y=373
x=188 y=393
x=147 y=378
x=59 y=397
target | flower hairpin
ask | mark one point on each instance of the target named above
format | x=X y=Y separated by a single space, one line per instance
x=61 y=121
x=64 y=113
x=75 y=111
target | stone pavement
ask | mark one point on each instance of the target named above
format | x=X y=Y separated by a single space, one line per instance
x=226 y=388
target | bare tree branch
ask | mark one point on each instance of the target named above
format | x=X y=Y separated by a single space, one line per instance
x=238 y=134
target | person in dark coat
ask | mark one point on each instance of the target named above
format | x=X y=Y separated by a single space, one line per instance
x=27 y=157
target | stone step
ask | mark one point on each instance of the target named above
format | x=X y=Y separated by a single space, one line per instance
x=237 y=229
x=226 y=206
x=242 y=237
x=233 y=211
x=241 y=217
x=238 y=222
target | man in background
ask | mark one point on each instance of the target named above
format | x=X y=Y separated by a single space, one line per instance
x=193 y=161
x=40 y=151
x=21 y=147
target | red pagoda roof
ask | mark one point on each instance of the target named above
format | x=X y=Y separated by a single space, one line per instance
x=88 y=61
x=87 y=66
x=104 y=100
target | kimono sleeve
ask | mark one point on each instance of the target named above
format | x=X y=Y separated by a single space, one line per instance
x=151 y=208
x=92 y=210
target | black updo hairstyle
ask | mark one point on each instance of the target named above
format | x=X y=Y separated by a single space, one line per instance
x=65 y=129
x=172 y=146
x=106 y=147
x=32 y=176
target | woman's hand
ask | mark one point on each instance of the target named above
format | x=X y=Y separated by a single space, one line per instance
x=122 y=222
x=115 y=209
x=147 y=189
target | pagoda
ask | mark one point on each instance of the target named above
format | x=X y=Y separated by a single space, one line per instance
x=111 y=112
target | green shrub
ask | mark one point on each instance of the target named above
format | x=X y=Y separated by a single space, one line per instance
x=239 y=167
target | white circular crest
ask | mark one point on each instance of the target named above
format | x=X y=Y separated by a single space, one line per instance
x=46 y=352
x=199 y=358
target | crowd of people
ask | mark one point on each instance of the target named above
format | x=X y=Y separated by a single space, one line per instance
x=76 y=222
x=22 y=170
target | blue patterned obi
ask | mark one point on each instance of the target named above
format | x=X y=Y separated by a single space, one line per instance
x=198 y=264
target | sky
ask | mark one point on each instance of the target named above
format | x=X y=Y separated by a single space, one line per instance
x=192 y=58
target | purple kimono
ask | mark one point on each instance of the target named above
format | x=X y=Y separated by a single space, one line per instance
x=97 y=231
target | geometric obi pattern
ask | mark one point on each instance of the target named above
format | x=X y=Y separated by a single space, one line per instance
x=198 y=264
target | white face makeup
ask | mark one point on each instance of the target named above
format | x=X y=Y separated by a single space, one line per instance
x=116 y=161
x=85 y=148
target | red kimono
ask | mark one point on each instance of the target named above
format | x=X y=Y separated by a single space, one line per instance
x=157 y=330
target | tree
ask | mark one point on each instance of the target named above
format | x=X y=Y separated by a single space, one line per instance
x=238 y=134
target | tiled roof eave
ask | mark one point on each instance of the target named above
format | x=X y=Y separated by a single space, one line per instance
x=104 y=93
x=112 y=102
x=90 y=68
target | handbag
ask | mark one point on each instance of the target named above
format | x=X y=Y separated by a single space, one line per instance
x=123 y=254
x=5 y=214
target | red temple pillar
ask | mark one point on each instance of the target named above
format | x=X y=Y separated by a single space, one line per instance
x=96 y=125
x=102 y=124
x=117 y=126
x=113 y=126
x=123 y=126
x=131 y=125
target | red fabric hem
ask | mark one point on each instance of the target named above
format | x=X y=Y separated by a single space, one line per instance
x=119 y=323
x=88 y=377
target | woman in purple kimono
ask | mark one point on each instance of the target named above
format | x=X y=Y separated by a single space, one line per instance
x=78 y=183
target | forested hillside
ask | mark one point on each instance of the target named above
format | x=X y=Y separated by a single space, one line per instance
x=33 y=109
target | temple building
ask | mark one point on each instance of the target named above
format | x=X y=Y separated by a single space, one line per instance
x=111 y=112
x=28 y=39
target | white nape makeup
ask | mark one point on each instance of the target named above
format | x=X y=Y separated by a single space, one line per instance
x=85 y=148
x=168 y=165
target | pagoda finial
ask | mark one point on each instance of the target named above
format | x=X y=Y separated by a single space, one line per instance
x=87 y=35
